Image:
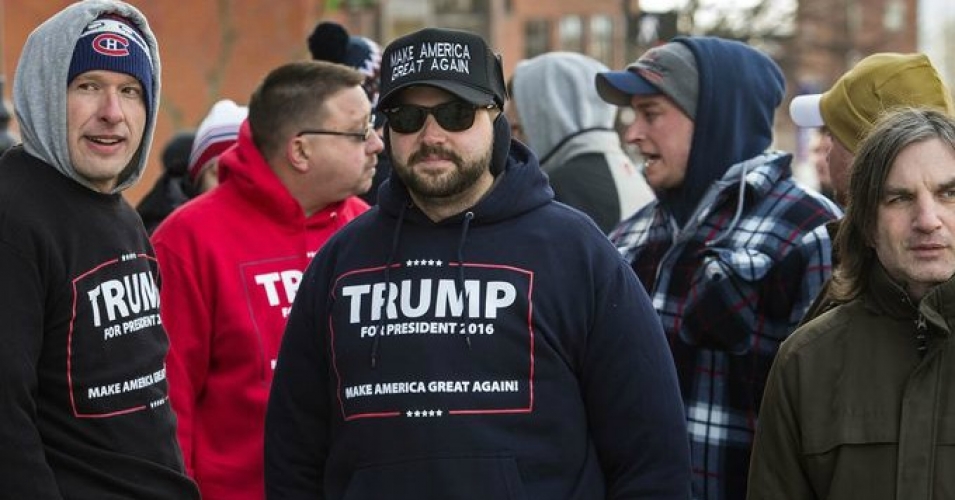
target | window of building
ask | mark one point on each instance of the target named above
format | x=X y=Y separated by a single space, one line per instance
x=452 y=5
x=571 y=34
x=536 y=37
x=601 y=39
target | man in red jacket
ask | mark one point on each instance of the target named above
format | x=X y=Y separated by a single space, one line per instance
x=231 y=260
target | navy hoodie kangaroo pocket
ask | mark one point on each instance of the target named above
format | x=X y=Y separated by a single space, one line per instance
x=445 y=478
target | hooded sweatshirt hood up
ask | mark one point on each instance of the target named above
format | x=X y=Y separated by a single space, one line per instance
x=572 y=128
x=39 y=90
x=740 y=89
x=555 y=92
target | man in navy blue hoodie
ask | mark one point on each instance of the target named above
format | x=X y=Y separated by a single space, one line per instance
x=470 y=337
x=733 y=251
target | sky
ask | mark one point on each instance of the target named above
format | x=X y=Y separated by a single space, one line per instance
x=934 y=17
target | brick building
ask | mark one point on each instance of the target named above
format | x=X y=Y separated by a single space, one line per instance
x=830 y=37
x=209 y=50
x=213 y=49
x=519 y=28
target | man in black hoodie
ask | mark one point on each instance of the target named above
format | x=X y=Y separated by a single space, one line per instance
x=85 y=405
x=469 y=337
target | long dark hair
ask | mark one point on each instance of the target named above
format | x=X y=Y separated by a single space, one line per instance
x=892 y=133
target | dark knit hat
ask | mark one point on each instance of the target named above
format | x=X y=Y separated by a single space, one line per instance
x=330 y=42
x=453 y=60
x=175 y=155
x=111 y=43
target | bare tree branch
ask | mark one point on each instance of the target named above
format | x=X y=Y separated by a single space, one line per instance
x=228 y=35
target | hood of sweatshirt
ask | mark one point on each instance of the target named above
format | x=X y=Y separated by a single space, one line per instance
x=39 y=90
x=557 y=102
x=740 y=89
x=244 y=169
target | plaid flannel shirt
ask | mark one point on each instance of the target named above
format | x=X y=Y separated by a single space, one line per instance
x=729 y=288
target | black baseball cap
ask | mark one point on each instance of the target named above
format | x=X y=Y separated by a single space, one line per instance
x=457 y=61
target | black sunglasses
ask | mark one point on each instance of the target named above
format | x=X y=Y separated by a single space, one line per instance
x=453 y=116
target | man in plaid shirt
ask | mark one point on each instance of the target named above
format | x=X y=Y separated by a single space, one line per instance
x=734 y=250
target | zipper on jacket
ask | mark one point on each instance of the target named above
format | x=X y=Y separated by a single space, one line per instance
x=921 y=335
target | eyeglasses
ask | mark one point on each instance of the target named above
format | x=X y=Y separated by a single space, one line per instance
x=453 y=116
x=358 y=136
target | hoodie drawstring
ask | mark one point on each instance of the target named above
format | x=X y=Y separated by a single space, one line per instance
x=391 y=258
x=468 y=217
x=464 y=294
x=739 y=209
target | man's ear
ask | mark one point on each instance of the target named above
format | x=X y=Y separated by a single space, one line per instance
x=297 y=153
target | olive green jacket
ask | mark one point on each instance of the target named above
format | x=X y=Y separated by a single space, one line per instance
x=860 y=402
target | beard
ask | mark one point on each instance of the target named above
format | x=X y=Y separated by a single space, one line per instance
x=465 y=174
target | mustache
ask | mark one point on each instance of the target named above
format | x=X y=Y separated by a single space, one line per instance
x=426 y=151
